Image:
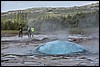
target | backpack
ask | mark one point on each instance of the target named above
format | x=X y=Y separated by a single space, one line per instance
x=32 y=29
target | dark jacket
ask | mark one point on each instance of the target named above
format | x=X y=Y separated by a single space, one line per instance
x=20 y=29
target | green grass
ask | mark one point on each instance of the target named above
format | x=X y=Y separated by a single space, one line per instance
x=76 y=31
x=16 y=32
x=9 y=31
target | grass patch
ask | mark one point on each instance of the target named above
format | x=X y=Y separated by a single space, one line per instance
x=9 y=31
x=16 y=32
x=76 y=31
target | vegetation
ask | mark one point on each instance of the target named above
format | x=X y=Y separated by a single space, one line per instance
x=76 y=31
x=51 y=19
x=9 y=31
x=13 y=22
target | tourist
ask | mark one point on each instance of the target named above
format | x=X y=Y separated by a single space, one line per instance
x=20 y=31
x=29 y=31
x=32 y=32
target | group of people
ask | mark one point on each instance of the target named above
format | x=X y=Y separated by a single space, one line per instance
x=30 y=31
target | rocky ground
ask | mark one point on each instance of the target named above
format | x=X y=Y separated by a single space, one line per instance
x=91 y=59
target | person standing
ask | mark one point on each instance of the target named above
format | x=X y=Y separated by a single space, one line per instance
x=29 y=31
x=20 y=31
x=32 y=31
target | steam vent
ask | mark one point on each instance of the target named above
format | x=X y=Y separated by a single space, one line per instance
x=59 y=48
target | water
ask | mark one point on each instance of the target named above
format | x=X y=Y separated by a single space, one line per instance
x=92 y=45
x=54 y=47
x=60 y=47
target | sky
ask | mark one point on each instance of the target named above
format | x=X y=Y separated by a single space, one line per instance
x=20 y=5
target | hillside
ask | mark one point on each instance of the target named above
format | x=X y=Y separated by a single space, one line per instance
x=51 y=19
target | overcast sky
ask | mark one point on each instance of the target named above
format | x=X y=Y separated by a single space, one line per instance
x=17 y=5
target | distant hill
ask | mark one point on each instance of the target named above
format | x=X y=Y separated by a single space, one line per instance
x=51 y=19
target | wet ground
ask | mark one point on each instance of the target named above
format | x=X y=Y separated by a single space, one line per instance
x=23 y=46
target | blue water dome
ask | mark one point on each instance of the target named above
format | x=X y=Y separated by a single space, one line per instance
x=59 y=47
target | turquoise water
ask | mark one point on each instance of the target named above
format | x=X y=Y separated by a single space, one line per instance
x=55 y=47
x=60 y=47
